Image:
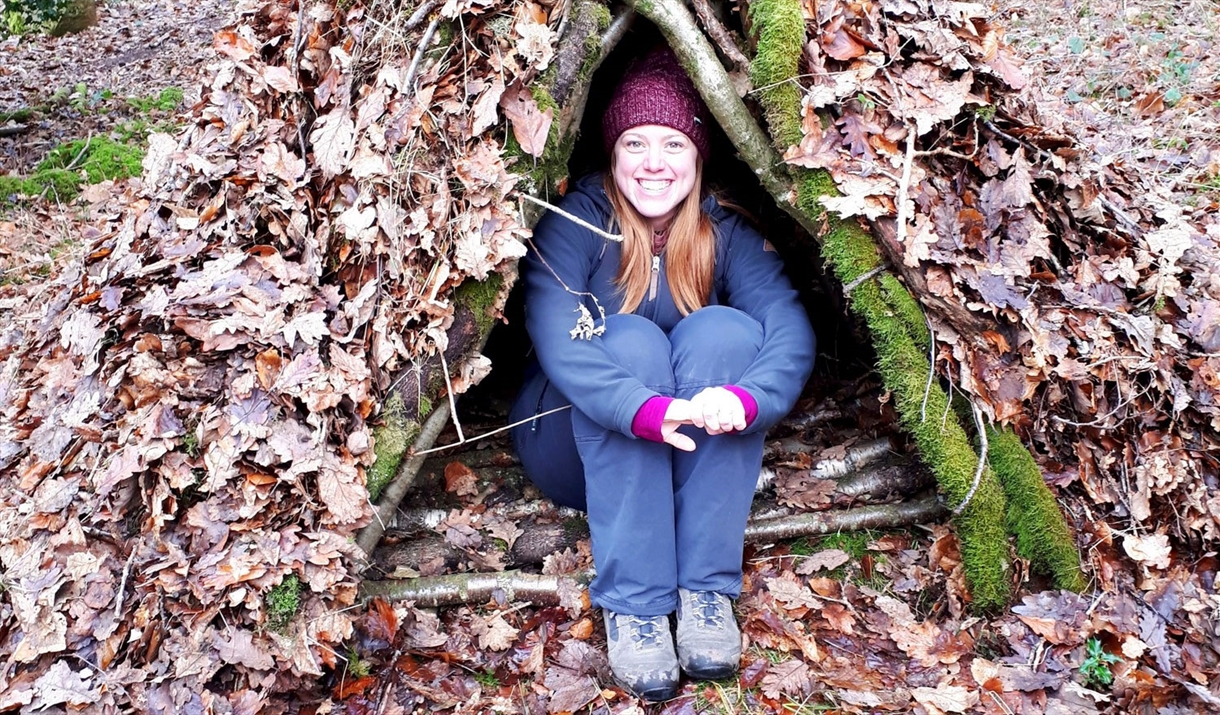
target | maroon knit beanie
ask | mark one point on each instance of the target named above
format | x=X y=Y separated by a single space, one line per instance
x=656 y=90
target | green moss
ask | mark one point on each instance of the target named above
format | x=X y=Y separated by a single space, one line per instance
x=98 y=157
x=943 y=445
x=480 y=297
x=56 y=184
x=282 y=603
x=1033 y=513
x=18 y=115
x=781 y=40
x=889 y=315
x=390 y=443
x=905 y=308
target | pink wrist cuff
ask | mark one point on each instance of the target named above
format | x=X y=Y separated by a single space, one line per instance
x=648 y=419
x=747 y=401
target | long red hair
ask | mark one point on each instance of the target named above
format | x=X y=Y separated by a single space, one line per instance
x=691 y=248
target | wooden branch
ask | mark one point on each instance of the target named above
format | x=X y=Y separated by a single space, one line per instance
x=722 y=36
x=856 y=457
x=876 y=516
x=454 y=589
x=699 y=59
x=397 y=489
x=573 y=111
x=13 y=130
x=413 y=543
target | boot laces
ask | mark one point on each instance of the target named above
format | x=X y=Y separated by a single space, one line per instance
x=644 y=631
x=708 y=610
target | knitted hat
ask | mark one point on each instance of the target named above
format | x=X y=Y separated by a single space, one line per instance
x=656 y=90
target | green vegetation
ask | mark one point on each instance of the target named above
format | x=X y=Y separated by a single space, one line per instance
x=1096 y=666
x=390 y=443
x=22 y=17
x=282 y=603
x=73 y=164
x=479 y=297
x=1033 y=512
x=850 y=251
x=487 y=679
x=356 y=667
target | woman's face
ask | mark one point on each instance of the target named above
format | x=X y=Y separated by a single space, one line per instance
x=654 y=168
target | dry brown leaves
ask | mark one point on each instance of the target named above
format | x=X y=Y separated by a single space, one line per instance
x=1104 y=292
x=186 y=417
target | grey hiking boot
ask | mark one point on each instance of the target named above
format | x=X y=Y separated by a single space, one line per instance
x=642 y=656
x=709 y=642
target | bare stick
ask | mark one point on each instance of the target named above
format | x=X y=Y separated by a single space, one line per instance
x=857 y=456
x=927 y=389
x=403 y=479
x=720 y=34
x=453 y=589
x=13 y=130
x=978 y=472
x=574 y=219
x=419 y=54
x=877 y=516
x=118 y=600
x=904 y=187
x=457 y=424
x=498 y=430
x=418 y=16
x=847 y=289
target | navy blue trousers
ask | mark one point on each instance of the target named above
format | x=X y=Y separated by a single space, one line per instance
x=659 y=518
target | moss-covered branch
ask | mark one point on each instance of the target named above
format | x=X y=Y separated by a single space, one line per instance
x=887 y=309
x=1034 y=516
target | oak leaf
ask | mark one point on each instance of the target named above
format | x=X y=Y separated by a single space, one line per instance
x=530 y=124
x=791 y=679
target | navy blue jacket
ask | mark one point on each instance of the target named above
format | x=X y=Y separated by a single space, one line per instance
x=749 y=276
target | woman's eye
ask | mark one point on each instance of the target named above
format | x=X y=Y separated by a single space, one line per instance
x=676 y=146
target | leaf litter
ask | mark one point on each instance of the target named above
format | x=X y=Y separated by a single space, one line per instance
x=182 y=463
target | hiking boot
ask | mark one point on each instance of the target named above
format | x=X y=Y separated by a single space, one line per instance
x=641 y=651
x=709 y=642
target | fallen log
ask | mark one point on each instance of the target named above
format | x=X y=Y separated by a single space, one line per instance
x=412 y=543
x=454 y=589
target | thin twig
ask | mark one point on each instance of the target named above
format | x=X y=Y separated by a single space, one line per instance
x=418 y=16
x=118 y=600
x=485 y=435
x=978 y=472
x=847 y=289
x=452 y=399
x=904 y=187
x=927 y=390
x=81 y=153
x=419 y=54
x=574 y=219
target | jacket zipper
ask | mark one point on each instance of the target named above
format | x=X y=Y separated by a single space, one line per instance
x=656 y=272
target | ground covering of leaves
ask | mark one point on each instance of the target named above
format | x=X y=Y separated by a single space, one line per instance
x=186 y=414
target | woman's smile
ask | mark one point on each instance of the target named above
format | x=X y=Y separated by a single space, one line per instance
x=655 y=170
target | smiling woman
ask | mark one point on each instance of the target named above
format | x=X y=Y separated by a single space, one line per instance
x=705 y=347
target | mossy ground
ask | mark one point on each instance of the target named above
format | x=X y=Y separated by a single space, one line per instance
x=283 y=602
x=72 y=164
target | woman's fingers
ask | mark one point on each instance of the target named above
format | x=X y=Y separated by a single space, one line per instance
x=717 y=411
x=680 y=441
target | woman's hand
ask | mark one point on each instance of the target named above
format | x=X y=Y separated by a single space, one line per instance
x=678 y=414
x=717 y=411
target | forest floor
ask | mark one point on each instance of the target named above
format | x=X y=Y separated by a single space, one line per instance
x=877 y=622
